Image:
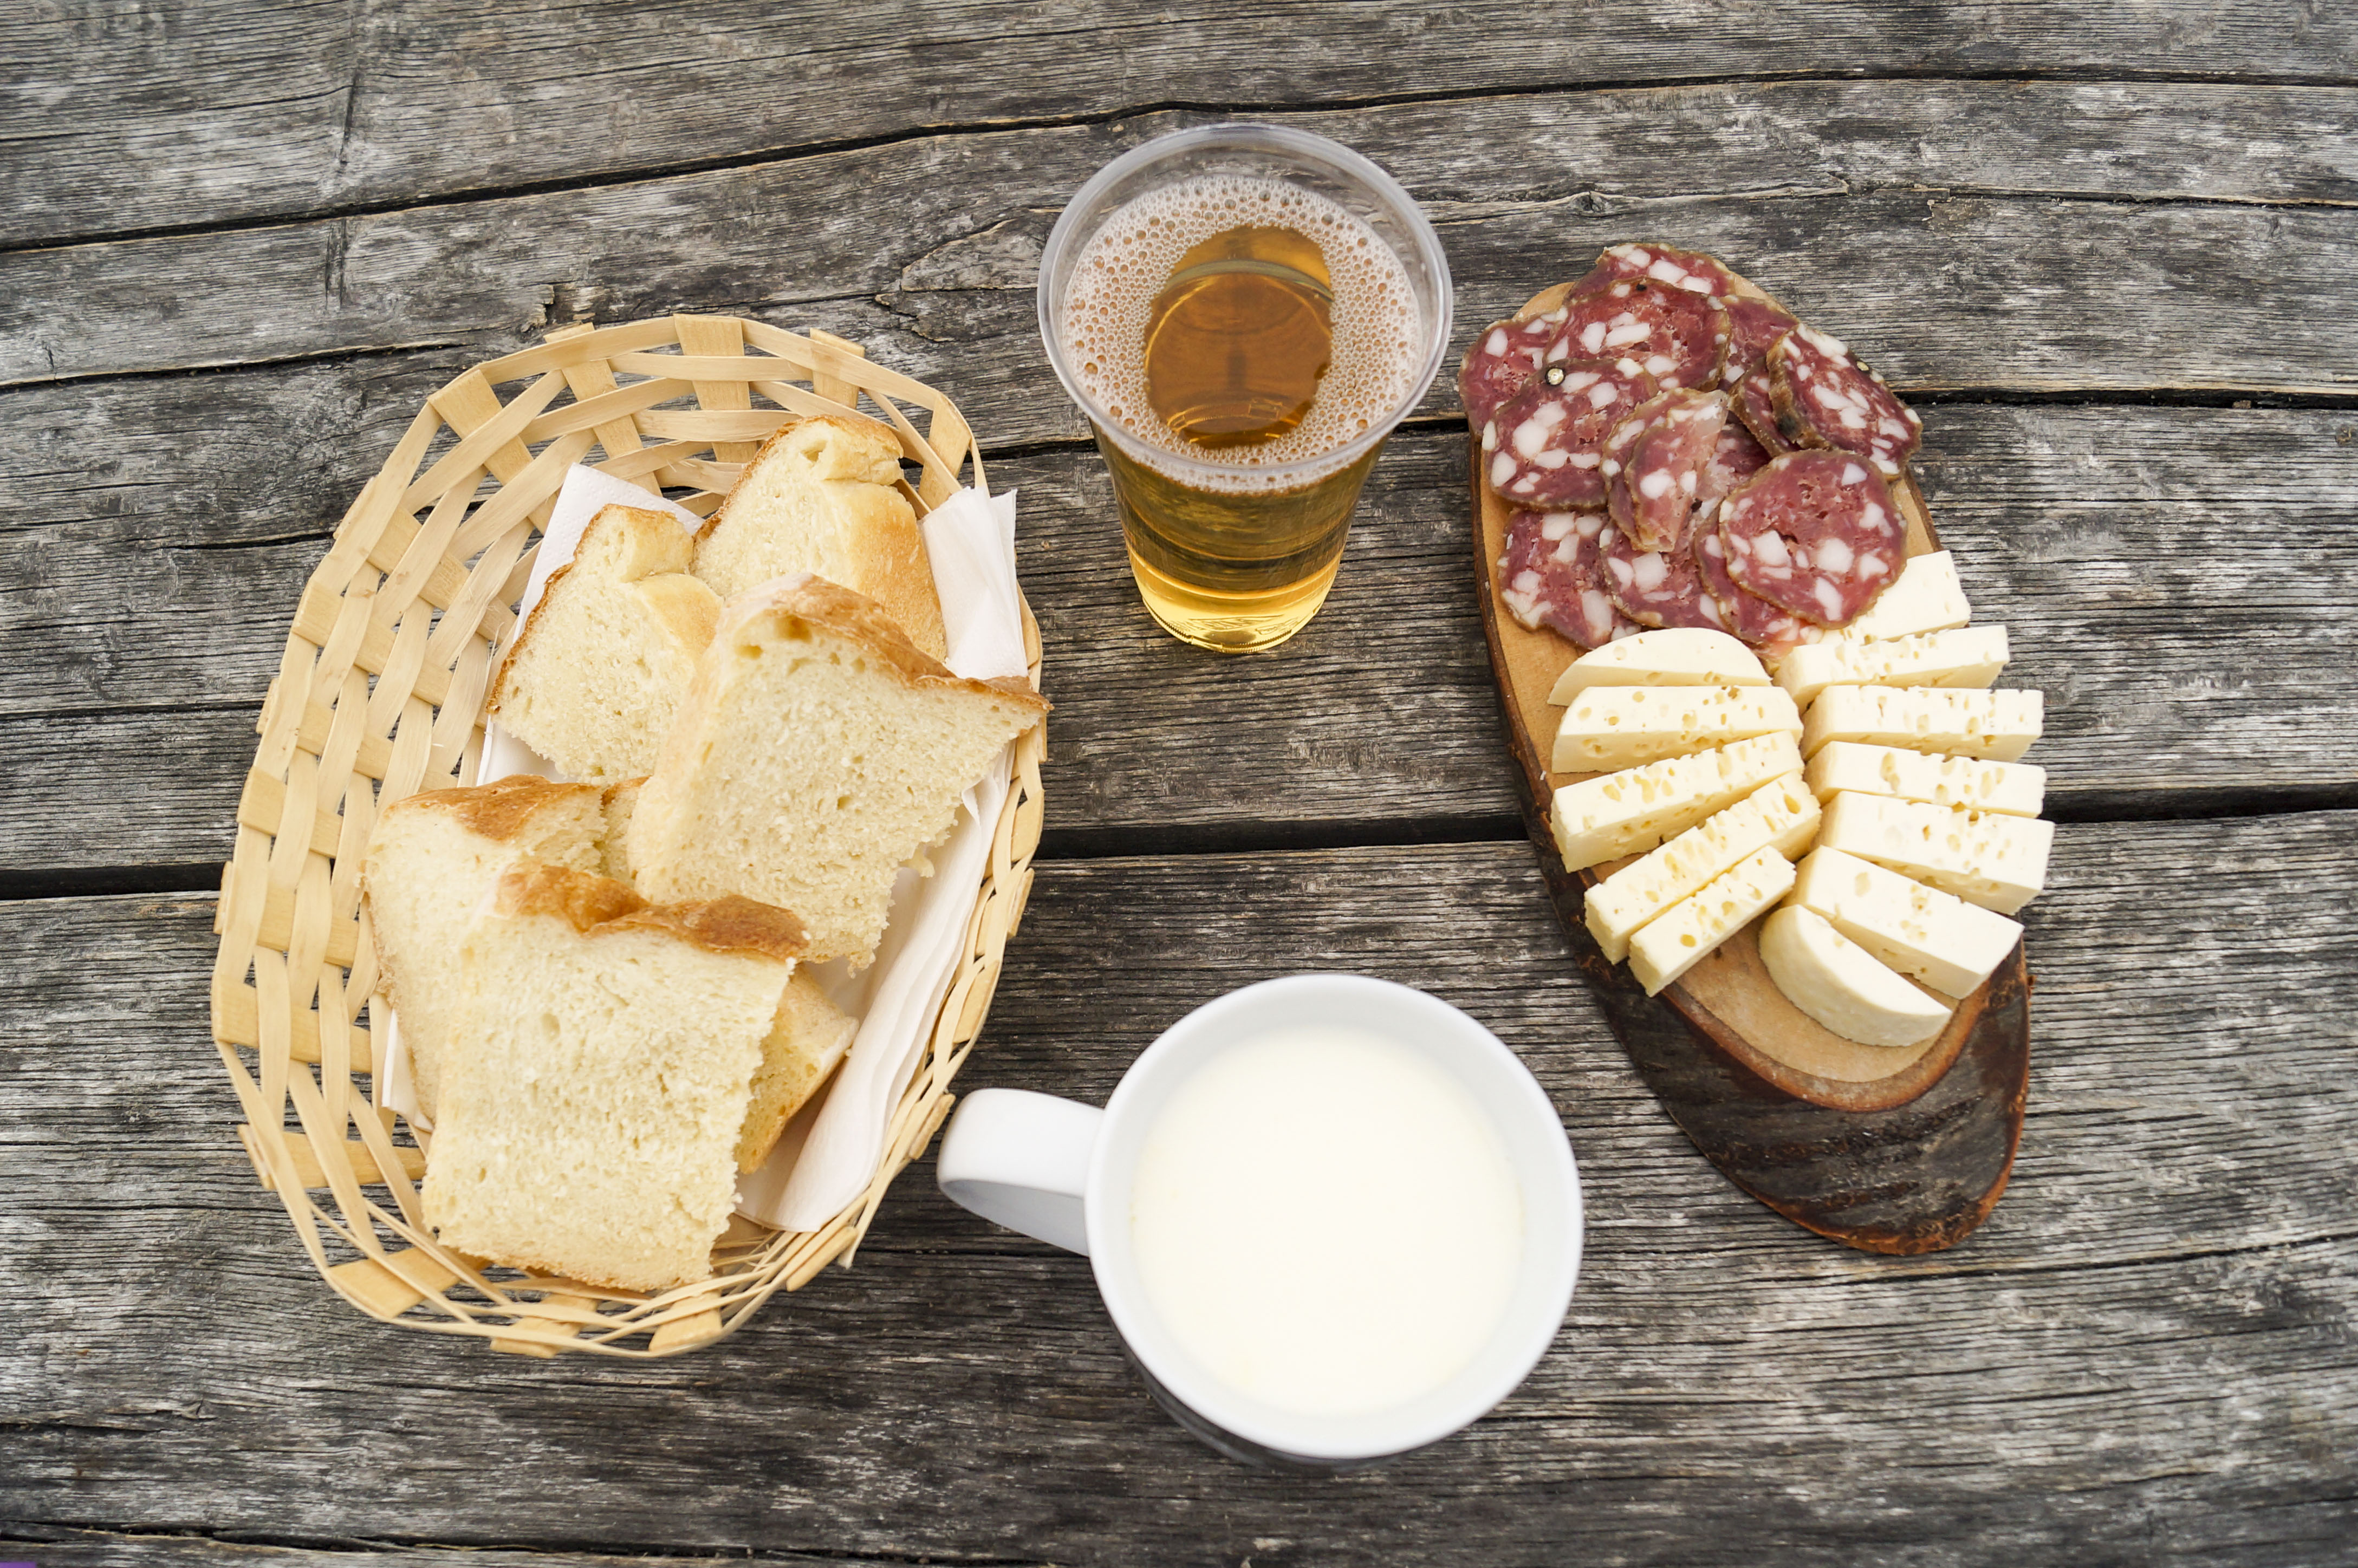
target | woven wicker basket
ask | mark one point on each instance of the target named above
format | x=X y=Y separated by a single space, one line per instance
x=380 y=694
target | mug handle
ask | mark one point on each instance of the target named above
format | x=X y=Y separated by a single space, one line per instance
x=1022 y=1160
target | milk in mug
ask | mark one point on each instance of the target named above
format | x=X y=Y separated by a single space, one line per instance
x=1326 y=1221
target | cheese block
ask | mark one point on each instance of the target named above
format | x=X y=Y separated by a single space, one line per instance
x=1927 y=598
x=1781 y=815
x=2017 y=789
x=1674 y=656
x=1631 y=811
x=1928 y=936
x=1609 y=727
x=1667 y=947
x=1998 y=863
x=1841 y=985
x=2000 y=724
x=1964 y=656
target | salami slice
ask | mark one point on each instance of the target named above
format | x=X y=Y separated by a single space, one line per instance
x=1680 y=338
x=1657 y=588
x=1541 y=447
x=1826 y=398
x=1659 y=480
x=1504 y=360
x=1742 y=614
x=1816 y=533
x=1753 y=326
x=1551 y=576
x=1734 y=458
x=1695 y=273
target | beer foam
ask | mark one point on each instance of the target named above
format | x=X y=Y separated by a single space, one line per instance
x=1111 y=297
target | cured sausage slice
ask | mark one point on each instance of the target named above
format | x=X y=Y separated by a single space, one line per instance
x=1508 y=357
x=1815 y=534
x=1690 y=270
x=1734 y=458
x=1823 y=397
x=1680 y=338
x=1658 y=484
x=1542 y=449
x=1753 y=326
x=1552 y=576
x=1657 y=588
x=1742 y=614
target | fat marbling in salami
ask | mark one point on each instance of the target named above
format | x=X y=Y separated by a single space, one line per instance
x=1503 y=360
x=1746 y=615
x=1658 y=482
x=1814 y=533
x=1826 y=398
x=1753 y=326
x=1684 y=269
x=1680 y=337
x=1553 y=575
x=1543 y=447
x=1657 y=588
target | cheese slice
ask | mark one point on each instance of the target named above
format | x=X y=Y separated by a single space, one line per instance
x=1781 y=815
x=1674 y=656
x=1695 y=925
x=1926 y=597
x=1841 y=985
x=1609 y=727
x=2017 y=789
x=2000 y=724
x=1966 y=657
x=1927 y=935
x=1998 y=863
x=1630 y=812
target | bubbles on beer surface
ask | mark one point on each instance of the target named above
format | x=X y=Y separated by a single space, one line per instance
x=1127 y=263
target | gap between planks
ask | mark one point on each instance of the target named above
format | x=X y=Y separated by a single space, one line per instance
x=456 y=196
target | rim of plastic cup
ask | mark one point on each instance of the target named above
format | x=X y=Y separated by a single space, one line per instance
x=1249 y=136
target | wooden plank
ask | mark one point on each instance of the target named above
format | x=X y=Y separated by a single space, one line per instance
x=2083 y=236
x=2147 y=1355
x=61 y=1548
x=147 y=605
x=301 y=108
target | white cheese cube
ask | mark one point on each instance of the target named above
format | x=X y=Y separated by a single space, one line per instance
x=1669 y=947
x=1927 y=598
x=1967 y=656
x=1630 y=812
x=1674 y=656
x=2000 y=724
x=1610 y=727
x=1927 y=935
x=1998 y=863
x=2017 y=789
x=1838 y=983
x=1781 y=814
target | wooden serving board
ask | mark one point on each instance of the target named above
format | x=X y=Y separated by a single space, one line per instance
x=1899 y=1150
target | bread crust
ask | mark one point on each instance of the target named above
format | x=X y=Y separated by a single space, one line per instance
x=597 y=906
x=772 y=609
x=498 y=811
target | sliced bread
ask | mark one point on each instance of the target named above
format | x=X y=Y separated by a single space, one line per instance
x=820 y=497
x=590 y=1127
x=809 y=1037
x=818 y=752
x=431 y=859
x=596 y=674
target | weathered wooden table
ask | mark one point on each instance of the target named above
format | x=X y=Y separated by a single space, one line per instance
x=2108 y=250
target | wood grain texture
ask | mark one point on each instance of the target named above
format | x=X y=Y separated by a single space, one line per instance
x=2147 y=1354
x=145 y=596
x=303 y=108
x=2078 y=219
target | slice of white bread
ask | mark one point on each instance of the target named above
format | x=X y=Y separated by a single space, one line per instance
x=818 y=752
x=820 y=498
x=431 y=859
x=809 y=1037
x=590 y=1128
x=596 y=674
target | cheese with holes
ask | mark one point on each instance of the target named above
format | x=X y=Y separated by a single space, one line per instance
x=2017 y=789
x=1964 y=656
x=1927 y=598
x=1674 y=656
x=1927 y=935
x=1690 y=929
x=1609 y=727
x=2000 y=724
x=1781 y=815
x=1630 y=812
x=1842 y=985
x=1997 y=861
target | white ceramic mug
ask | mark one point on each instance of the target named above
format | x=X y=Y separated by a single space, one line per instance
x=1063 y=1171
